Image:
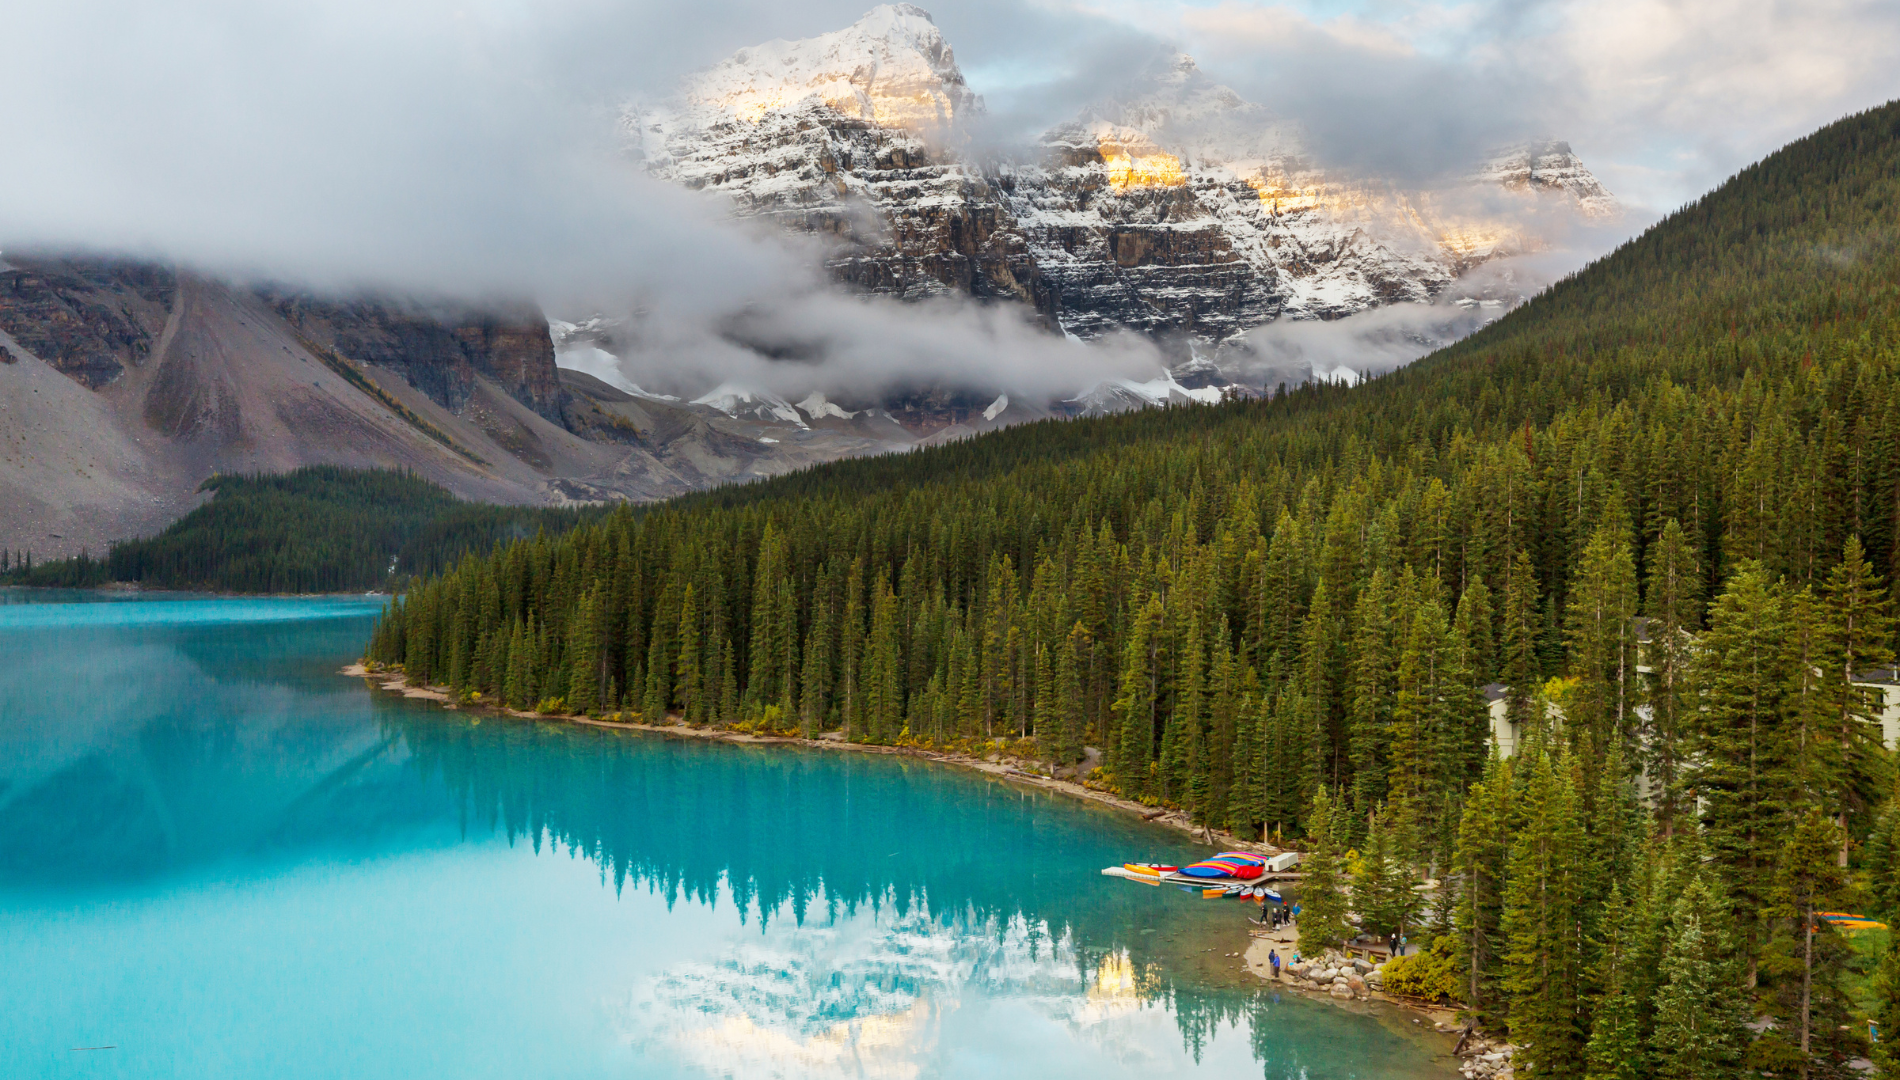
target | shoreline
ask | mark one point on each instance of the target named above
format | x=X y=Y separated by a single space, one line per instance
x=1005 y=768
x=1443 y=1019
x=140 y=587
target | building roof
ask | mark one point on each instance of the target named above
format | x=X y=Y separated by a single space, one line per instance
x=1495 y=691
x=1888 y=676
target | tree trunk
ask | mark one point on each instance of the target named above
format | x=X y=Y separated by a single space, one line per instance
x=1807 y=982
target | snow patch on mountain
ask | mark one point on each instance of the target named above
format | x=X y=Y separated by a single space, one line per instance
x=818 y=407
x=996 y=407
x=1122 y=394
x=741 y=402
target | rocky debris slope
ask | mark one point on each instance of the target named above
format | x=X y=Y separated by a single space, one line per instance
x=124 y=386
x=1179 y=209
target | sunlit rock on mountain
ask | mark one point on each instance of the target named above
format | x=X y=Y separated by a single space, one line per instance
x=1179 y=209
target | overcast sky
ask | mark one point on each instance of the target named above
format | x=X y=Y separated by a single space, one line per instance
x=466 y=145
x=348 y=129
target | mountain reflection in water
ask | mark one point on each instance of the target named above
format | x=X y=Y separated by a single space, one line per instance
x=211 y=846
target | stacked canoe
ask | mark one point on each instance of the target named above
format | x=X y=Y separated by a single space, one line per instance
x=1842 y=920
x=1229 y=874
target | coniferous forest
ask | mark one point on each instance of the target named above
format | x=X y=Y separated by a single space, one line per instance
x=1656 y=505
x=315 y=529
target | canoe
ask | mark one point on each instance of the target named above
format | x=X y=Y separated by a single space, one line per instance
x=1129 y=875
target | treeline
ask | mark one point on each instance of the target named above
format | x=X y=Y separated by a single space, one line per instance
x=1659 y=505
x=316 y=529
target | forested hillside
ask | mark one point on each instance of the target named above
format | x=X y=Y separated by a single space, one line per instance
x=1280 y=615
x=316 y=529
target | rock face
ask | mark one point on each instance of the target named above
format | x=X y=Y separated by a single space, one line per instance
x=89 y=318
x=847 y=135
x=440 y=352
x=124 y=386
x=1179 y=210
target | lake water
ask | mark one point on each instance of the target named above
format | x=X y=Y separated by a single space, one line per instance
x=222 y=859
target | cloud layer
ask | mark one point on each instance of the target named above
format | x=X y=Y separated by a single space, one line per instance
x=465 y=146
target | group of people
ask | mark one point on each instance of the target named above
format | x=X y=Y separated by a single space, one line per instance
x=1273 y=916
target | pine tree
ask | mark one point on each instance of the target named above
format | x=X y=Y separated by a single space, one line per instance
x=1070 y=722
x=1860 y=630
x=1673 y=601
x=519 y=688
x=1136 y=703
x=1368 y=715
x=1518 y=663
x=583 y=657
x=1481 y=866
x=815 y=683
x=689 y=683
x=1744 y=778
x=1807 y=956
x=1474 y=621
x=1184 y=741
x=1318 y=661
x=1322 y=918
x=1543 y=961
x=1600 y=633
x=1616 y=1050
x=1047 y=704
x=1886 y=1014
x=1699 y=1033
x=1384 y=894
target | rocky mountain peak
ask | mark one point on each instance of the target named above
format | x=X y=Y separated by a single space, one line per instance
x=1548 y=166
x=891 y=68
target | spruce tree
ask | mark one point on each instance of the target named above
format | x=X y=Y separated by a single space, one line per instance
x=583 y=658
x=1860 y=630
x=1599 y=630
x=1135 y=704
x=1481 y=866
x=1322 y=919
x=1368 y=715
x=1070 y=721
x=1518 y=664
x=1673 y=601
x=1744 y=778
x=1807 y=956
x=815 y=683
x=1699 y=1033
x=1543 y=960
x=1387 y=901
x=1616 y=1050
x=1886 y=1012
x=689 y=683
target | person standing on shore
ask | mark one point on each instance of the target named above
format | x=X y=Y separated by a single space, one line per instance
x=1273 y=958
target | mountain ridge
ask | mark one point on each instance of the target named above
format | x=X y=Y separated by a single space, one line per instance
x=1181 y=210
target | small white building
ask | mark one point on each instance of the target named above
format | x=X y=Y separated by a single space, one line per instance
x=1503 y=731
x=1283 y=862
x=1885 y=682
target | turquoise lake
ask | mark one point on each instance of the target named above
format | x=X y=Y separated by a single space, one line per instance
x=221 y=858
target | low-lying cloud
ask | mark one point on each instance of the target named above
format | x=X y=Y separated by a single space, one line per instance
x=466 y=148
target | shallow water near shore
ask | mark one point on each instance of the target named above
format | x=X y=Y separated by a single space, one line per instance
x=221 y=859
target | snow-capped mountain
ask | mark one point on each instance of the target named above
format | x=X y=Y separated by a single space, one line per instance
x=1177 y=208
